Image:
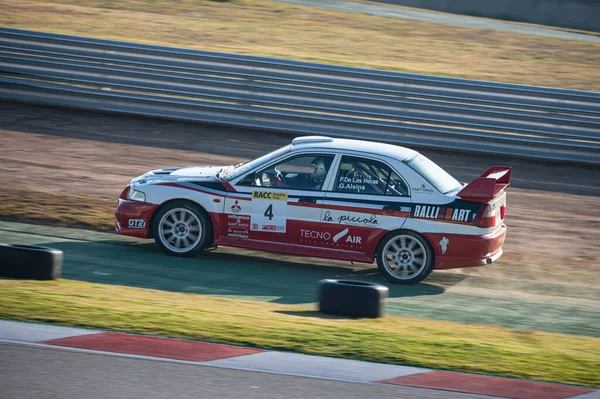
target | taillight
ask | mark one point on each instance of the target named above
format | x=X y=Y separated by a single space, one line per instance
x=485 y=217
x=503 y=212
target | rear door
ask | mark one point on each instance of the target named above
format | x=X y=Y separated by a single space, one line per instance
x=367 y=199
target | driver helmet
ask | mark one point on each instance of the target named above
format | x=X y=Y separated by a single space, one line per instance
x=320 y=172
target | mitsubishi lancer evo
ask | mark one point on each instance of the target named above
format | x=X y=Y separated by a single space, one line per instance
x=328 y=198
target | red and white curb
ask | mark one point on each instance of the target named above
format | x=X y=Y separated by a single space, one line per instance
x=227 y=356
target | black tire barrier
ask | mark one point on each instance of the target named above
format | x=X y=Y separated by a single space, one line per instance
x=30 y=262
x=352 y=298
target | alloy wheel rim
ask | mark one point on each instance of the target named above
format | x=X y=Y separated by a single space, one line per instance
x=180 y=230
x=404 y=257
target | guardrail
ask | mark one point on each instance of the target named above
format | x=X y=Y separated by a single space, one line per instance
x=298 y=97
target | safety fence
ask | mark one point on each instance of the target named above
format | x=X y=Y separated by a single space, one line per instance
x=298 y=97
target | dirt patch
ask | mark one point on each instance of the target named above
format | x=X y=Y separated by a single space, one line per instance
x=553 y=217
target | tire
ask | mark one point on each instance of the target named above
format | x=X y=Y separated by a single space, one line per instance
x=352 y=298
x=182 y=228
x=405 y=257
x=30 y=262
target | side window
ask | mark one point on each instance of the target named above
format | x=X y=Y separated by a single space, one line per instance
x=366 y=176
x=396 y=186
x=303 y=172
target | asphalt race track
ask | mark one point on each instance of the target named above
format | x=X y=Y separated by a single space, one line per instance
x=41 y=372
x=44 y=350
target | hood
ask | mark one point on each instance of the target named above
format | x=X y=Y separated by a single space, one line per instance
x=190 y=172
x=196 y=171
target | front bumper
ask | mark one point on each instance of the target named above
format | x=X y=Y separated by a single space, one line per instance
x=134 y=218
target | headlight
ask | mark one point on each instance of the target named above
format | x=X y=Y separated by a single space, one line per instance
x=135 y=195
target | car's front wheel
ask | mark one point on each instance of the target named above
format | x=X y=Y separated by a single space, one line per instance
x=182 y=228
x=405 y=257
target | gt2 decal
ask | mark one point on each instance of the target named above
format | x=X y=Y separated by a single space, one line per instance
x=137 y=223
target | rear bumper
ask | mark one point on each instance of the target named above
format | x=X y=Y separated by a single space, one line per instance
x=133 y=218
x=467 y=250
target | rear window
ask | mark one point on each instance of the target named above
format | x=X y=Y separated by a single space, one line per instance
x=435 y=175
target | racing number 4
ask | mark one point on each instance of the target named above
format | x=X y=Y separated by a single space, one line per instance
x=269 y=212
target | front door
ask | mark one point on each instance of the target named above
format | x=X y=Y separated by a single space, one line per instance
x=279 y=205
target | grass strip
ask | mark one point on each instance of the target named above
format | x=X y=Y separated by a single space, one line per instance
x=271 y=29
x=426 y=343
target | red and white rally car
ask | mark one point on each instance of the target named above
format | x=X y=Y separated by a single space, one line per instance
x=326 y=198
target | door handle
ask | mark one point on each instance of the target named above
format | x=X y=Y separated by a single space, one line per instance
x=307 y=200
x=392 y=207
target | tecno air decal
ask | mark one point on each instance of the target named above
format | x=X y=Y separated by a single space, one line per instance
x=336 y=238
x=339 y=235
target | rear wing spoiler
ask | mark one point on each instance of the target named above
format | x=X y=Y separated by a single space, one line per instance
x=487 y=186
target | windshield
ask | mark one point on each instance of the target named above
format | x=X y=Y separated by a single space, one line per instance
x=238 y=170
x=436 y=176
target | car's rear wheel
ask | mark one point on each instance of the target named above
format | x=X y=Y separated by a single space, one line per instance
x=405 y=257
x=182 y=228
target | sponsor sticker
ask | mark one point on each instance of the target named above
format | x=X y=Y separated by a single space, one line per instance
x=236 y=207
x=341 y=234
x=340 y=239
x=437 y=212
x=137 y=223
x=352 y=219
x=444 y=244
x=269 y=211
x=422 y=190
x=238 y=225
x=269 y=195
